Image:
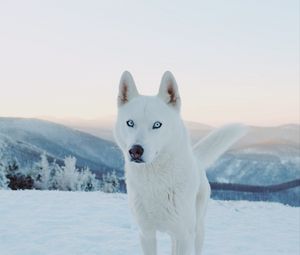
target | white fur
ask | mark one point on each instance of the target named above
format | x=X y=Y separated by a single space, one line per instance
x=169 y=192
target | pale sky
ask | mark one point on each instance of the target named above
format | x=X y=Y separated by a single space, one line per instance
x=233 y=60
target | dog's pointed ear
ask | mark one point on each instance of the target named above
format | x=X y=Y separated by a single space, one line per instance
x=127 y=89
x=168 y=90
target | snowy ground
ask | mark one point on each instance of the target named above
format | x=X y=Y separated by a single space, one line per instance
x=73 y=223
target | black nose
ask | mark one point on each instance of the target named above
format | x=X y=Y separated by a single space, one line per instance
x=136 y=153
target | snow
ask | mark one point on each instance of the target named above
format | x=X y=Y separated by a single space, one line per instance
x=90 y=223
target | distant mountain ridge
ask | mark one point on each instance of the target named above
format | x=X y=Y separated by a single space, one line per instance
x=265 y=156
x=103 y=128
x=26 y=139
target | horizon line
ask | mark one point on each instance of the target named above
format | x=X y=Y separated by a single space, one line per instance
x=60 y=120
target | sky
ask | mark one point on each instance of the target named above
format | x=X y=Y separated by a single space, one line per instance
x=234 y=61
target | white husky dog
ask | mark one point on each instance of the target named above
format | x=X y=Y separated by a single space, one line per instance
x=165 y=175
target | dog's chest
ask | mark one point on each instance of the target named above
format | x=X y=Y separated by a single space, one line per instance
x=155 y=199
x=159 y=202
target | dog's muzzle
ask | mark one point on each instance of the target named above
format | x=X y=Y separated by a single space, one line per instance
x=136 y=153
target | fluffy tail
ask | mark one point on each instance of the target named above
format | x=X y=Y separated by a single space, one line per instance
x=211 y=147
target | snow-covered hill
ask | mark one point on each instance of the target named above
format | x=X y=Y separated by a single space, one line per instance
x=257 y=168
x=93 y=223
x=102 y=127
x=26 y=139
x=265 y=156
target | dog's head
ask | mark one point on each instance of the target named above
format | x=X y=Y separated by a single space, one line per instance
x=147 y=125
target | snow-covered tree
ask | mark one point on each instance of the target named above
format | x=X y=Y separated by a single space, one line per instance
x=68 y=177
x=3 y=180
x=17 y=178
x=87 y=180
x=110 y=183
x=55 y=173
x=41 y=173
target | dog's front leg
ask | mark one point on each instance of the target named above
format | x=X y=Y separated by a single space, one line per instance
x=182 y=245
x=148 y=242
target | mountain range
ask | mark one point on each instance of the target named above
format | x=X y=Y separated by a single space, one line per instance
x=265 y=156
x=26 y=139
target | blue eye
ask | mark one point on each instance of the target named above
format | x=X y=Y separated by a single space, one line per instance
x=156 y=125
x=130 y=123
